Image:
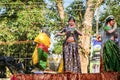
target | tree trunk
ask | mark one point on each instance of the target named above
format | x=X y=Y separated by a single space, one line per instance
x=86 y=30
x=61 y=11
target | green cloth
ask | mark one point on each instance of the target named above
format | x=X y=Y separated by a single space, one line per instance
x=111 y=57
x=106 y=28
x=42 y=59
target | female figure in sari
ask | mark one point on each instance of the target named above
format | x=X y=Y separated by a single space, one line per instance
x=71 y=58
x=111 y=58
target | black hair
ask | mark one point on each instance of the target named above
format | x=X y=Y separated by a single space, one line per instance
x=108 y=19
x=71 y=18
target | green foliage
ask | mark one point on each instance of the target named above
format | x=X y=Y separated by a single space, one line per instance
x=95 y=1
x=57 y=48
x=17 y=50
x=21 y=21
x=111 y=8
x=77 y=9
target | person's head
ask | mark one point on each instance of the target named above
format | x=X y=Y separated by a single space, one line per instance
x=71 y=21
x=45 y=31
x=110 y=20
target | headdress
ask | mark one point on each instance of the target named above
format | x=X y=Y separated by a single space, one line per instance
x=109 y=18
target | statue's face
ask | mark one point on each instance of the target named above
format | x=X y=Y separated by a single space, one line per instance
x=71 y=22
x=112 y=22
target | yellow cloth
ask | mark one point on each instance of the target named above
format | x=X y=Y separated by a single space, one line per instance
x=43 y=38
x=35 y=56
x=60 y=69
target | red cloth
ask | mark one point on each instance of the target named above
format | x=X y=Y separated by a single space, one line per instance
x=14 y=78
x=69 y=76
x=43 y=47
